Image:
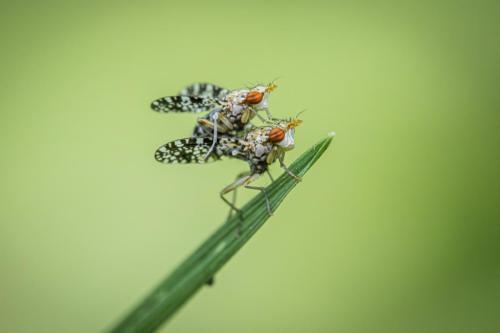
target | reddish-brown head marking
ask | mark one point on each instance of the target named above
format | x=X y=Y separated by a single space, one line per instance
x=254 y=97
x=276 y=135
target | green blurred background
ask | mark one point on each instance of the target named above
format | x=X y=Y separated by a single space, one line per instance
x=395 y=229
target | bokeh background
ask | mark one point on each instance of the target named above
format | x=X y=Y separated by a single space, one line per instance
x=395 y=229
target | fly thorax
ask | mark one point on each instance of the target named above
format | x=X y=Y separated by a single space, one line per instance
x=235 y=100
x=261 y=149
x=237 y=108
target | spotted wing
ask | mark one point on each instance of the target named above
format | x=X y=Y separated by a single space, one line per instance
x=205 y=90
x=184 y=104
x=194 y=150
x=188 y=150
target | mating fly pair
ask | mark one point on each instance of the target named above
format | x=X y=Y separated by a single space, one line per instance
x=230 y=111
x=226 y=132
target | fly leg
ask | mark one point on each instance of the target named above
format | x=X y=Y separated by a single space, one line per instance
x=233 y=200
x=241 y=181
x=214 y=118
x=233 y=203
x=263 y=190
x=255 y=112
x=269 y=115
x=214 y=123
x=270 y=176
x=270 y=118
x=284 y=167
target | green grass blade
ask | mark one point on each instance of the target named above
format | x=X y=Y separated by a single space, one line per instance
x=201 y=265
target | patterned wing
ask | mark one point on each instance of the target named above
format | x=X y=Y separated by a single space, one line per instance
x=184 y=104
x=194 y=150
x=205 y=90
x=188 y=150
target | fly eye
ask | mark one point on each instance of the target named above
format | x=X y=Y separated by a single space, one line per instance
x=276 y=135
x=254 y=97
